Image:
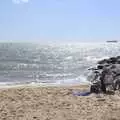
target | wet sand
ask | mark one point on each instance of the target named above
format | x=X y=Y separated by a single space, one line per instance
x=56 y=103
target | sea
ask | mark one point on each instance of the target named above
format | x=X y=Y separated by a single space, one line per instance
x=51 y=64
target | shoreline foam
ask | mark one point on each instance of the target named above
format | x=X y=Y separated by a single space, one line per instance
x=41 y=85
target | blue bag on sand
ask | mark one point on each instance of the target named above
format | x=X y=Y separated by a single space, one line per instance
x=81 y=93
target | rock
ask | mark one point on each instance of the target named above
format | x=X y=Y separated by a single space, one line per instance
x=95 y=88
x=118 y=57
x=103 y=61
x=116 y=69
x=107 y=73
x=93 y=68
x=113 y=60
x=117 y=83
x=118 y=61
x=100 y=66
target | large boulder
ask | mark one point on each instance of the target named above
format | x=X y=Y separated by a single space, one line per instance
x=107 y=73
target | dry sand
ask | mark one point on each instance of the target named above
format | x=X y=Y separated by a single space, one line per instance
x=56 y=103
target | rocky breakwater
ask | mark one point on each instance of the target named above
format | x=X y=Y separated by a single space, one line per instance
x=106 y=75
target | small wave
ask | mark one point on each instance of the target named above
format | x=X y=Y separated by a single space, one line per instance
x=95 y=59
x=69 y=58
x=58 y=75
x=4 y=83
x=79 y=80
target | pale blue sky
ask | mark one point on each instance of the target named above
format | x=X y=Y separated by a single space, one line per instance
x=59 y=20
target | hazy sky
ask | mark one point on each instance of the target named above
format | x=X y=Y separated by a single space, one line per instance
x=59 y=20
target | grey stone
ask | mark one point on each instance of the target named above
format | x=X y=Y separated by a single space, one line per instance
x=107 y=73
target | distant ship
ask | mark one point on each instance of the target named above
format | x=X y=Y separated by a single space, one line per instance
x=112 y=41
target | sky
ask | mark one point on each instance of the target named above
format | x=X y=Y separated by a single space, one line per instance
x=59 y=20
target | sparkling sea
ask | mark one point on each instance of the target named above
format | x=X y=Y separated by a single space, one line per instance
x=26 y=63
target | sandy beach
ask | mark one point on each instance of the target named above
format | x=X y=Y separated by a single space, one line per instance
x=56 y=103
